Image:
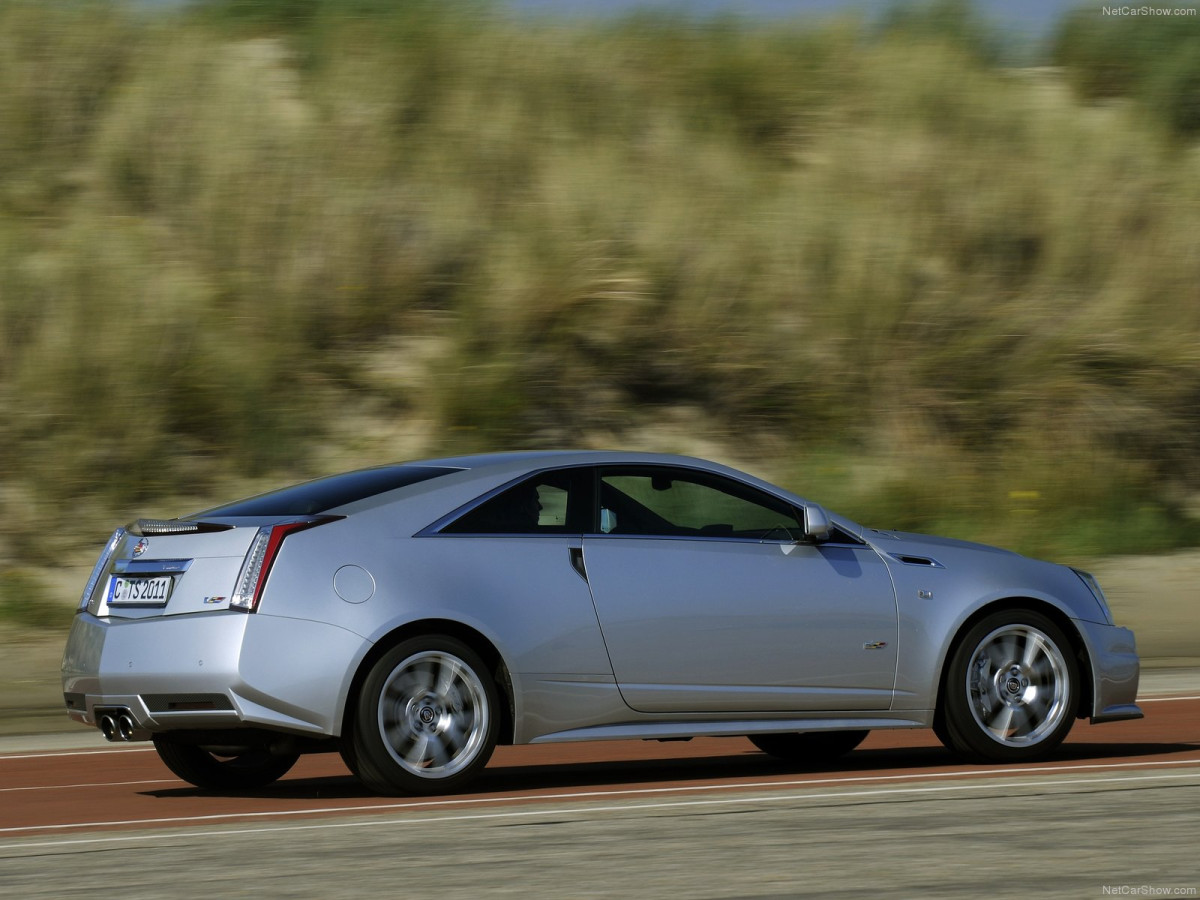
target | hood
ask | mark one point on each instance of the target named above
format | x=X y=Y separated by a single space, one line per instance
x=909 y=542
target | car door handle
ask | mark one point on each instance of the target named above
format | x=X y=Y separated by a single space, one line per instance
x=576 y=554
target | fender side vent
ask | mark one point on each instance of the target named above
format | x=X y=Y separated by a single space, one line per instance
x=924 y=562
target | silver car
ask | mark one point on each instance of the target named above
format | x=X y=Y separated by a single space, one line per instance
x=413 y=616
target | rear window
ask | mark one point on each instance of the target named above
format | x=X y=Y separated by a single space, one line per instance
x=324 y=494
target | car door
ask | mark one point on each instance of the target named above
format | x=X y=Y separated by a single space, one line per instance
x=709 y=602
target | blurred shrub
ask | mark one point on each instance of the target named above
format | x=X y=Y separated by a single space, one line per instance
x=26 y=603
x=130 y=367
x=955 y=23
x=59 y=64
x=1153 y=59
x=886 y=267
x=1172 y=87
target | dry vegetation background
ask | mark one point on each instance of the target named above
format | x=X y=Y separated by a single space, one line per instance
x=244 y=243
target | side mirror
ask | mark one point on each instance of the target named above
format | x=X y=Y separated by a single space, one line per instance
x=816 y=524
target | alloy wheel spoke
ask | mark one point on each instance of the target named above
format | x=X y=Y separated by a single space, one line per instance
x=1042 y=705
x=1033 y=648
x=447 y=676
x=403 y=686
x=397 y=733
x=1043 y=672
x=999 y=654
x=456 y=734
x=416 y=753
x=438 y=753
x=1022 y=721
x=999 y=723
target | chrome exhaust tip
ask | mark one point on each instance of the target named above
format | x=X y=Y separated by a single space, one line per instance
x=125 y=727
x=108 y=728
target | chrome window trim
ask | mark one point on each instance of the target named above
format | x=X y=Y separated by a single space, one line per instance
x=589 y=535
x=707 y=538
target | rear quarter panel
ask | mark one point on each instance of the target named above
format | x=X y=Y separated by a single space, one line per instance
x=519 y=593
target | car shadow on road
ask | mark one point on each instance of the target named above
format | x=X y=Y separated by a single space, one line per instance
x=748 y=768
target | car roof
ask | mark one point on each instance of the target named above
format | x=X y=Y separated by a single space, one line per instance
x=524 y=460
x=520 y=461
x=514 y=464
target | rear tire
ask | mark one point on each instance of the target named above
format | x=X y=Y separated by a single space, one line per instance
x=348 y=754
x=809 y=746
x=426 y=718
x=253 y=768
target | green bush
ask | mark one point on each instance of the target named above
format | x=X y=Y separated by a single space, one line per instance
x=1152 y=59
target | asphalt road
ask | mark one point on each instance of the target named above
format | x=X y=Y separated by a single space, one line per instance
x=1114 y=813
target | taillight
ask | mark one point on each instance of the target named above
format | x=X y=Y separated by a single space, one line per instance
x=259 y=559
x=100 y=567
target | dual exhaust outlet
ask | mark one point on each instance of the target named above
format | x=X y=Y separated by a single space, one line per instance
x=117 y=725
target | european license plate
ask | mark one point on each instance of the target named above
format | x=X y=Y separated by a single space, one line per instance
x=126 y=591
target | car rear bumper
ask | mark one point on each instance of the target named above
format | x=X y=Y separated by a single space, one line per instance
x=1115 y=671
x=216 y=670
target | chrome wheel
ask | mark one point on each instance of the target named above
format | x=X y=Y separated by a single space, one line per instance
x=425 y=720
x=433 y=714
x=1010 y=692
x=1017 y=685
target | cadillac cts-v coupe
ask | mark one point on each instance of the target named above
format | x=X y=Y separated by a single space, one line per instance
x=413 y=616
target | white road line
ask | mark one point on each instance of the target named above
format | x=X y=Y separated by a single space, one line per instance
x=587 y=795
x=1165 y=699
x=61 y=753
x=25 y=846
x=93 y=784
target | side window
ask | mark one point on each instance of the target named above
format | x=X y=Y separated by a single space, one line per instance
x=678 y=503
x=548 y=503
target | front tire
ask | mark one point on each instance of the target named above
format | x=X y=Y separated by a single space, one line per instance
x=809 y=746
x=253 y=768
x=426 y=718
x=1012 y=689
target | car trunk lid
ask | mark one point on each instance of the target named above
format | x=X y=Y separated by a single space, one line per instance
x=168 y=567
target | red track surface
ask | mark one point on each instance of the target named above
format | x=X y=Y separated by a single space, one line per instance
x=56 y=793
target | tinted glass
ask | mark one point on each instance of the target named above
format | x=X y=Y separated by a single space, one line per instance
x=548 y=503
x=668 y=502
x=325 y=494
